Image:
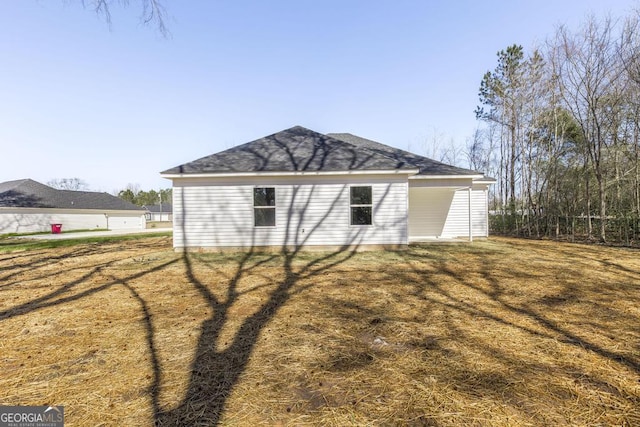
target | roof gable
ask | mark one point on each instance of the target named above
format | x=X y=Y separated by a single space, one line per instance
x=27 y=193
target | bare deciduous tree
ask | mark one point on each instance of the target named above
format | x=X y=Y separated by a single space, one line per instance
x=153 y=12
x=566 y=126
x=75 y=184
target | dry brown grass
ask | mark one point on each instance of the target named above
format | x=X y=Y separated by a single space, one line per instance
x=498 y=332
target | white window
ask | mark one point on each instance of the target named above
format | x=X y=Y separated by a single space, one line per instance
x=361 y=205
x=264 y=207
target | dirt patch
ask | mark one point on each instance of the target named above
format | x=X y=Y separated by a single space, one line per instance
x=159 y=224
x=499 y=332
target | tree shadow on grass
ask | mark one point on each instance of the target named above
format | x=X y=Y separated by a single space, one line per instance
x=214 y=371
x=531 y=315
x=216 y=368
x=479 y=329
x=69 y=290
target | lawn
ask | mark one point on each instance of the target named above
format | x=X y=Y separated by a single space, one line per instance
x=497 y=332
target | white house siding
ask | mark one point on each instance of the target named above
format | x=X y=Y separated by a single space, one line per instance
x=440 y=209
x=125 y=221
x=157 y=216
x=29 y=220
x=480 y=210
x=310 y=211
x=428 y=211
x=457 y=224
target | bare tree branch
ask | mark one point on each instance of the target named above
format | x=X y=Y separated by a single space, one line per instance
x=153 y=12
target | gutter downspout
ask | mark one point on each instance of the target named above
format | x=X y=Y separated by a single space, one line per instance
x=486 y=204
x=470 y=218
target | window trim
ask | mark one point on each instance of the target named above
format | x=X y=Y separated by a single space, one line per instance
x=274 y=207
x=351 y=206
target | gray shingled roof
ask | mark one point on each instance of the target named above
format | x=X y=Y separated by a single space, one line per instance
x=426 y=165
x=166 y=208
x=295 y=149
x=27 y=193
x=301 y=149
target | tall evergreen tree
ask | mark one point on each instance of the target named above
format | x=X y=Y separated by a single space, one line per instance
x=501 y=94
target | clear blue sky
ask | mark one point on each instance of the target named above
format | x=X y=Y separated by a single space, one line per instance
x=118 y=106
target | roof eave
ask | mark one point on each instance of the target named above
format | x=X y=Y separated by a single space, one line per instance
x=484 y=180
x=473 y=177
x=291 y=173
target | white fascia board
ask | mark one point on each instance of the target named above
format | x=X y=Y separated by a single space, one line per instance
x=473 y=177
x=485 y=181
x=295 y=173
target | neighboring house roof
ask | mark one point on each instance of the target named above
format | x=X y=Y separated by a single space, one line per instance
x=166 y=208
x=27 y=193
x=300 y=149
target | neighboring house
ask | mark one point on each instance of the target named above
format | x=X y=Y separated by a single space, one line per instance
x=159 y=212
x=302 y=188
x=29 y=206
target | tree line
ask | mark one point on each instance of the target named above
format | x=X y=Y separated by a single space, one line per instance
x=134 y=195
x=561 y=134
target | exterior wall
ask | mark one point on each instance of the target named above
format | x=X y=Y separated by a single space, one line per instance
x=428 y=211
x=126 y=221
x=457 y=224
x=157 y=216
x=310 y=211
x=438 y=209
x=457 y=221
x=480 y=210
x=30 y=220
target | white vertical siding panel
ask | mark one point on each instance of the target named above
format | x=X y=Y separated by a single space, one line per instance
x=457 y=223
x=157 y=216
x=428 y=211
x=458 y=220
x=480 y=211
x=440 y=211
x=219 y=213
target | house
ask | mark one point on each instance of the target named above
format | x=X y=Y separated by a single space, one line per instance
x=159 y=212
x=29 y=206
x=298 y=187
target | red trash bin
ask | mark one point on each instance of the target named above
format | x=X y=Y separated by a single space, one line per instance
x=56 y=228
